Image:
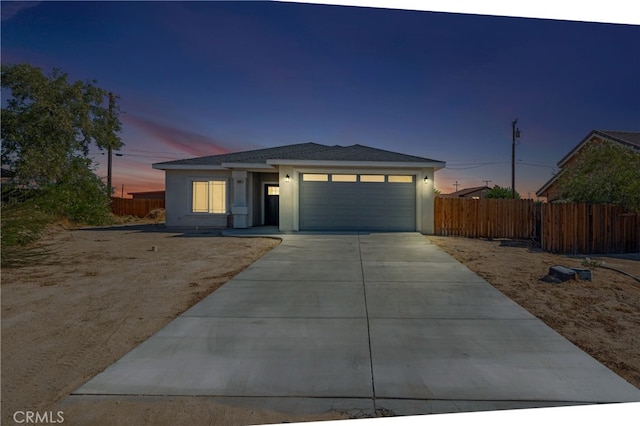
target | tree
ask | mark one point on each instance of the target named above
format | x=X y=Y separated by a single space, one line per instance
x=603 y=173
x=500 y=192
x=47 y=128
x=49 y=124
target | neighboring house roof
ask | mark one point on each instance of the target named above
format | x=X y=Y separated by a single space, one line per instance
x=629 y=139
x=147 y=194
x=300 y=152
x=464 y=192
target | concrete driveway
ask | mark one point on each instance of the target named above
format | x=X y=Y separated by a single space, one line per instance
x=362 y=323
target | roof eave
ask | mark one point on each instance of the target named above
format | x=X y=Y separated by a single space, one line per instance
x=341 y=163
x=247 y=166
x=591 y=134
x=540 y=192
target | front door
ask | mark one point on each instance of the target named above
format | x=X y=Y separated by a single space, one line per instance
x=271 y=205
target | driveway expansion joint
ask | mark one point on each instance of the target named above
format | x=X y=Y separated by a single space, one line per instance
x=312 y=334
x=364 y=292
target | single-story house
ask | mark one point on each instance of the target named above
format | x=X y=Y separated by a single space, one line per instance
x=147 y=195
x=631 y=140
x=475 y=192
x=303 y=187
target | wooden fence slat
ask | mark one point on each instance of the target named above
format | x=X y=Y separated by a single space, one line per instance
x=563 y=227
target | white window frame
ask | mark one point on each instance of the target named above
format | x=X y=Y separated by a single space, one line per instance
x=212 y=204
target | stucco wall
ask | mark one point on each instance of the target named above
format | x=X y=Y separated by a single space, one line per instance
x=178 y=185
x=289 y=193
x=426 y=194
x=179 y=188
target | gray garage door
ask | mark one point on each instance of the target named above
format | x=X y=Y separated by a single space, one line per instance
x=343 y=202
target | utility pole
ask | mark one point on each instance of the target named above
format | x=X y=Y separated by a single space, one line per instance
x=515 y=133
x=456 y=185
x=110 y=149
x=486 y=182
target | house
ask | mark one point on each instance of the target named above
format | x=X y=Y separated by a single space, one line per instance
x=303 y=187
x=475 y=192
x=147 y=195
x=631 y=140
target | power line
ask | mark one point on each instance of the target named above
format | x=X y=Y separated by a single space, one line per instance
x=159 y=152
x=536 y=165
x=122 y=154
x=477 y=165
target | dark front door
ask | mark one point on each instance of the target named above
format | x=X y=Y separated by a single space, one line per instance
x=271 y=205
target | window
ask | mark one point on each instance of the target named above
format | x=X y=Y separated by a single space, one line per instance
x=400 y=179
x=273 y=190
x=371 y=178
x=209 y=196
x=315 y=177
x=344 y=178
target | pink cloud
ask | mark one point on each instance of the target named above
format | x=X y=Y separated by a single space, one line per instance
x=136 y=174
x=183 y=140
x=12 y=8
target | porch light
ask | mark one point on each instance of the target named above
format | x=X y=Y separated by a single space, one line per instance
x=287 y=178
x=426 y=179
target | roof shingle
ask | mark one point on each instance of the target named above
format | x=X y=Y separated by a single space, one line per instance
x=304 y=151
x=629 y=138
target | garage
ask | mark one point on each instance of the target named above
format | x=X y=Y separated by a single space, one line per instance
x=304 y=187
x=357 y=202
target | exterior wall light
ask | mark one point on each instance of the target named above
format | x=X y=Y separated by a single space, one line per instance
x=426 y=179
x=287 y=178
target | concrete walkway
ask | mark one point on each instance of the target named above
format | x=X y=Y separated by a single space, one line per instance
x=362 y=323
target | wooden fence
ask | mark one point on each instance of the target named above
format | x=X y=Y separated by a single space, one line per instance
x=485 y=218
x=134 y=206
x=587 y=228
x=560 y=228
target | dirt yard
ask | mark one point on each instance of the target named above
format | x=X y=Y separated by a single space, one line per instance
x=601 y=317
x=102 y=292
x=99 y=294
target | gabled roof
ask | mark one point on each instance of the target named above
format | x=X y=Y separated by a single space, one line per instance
x=466 y=191
x=629 y=139
x=300 y=152
x=253 y=156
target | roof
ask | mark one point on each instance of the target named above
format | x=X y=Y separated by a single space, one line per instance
x=146 y=193
x=630 y=139
x=466 y=191
x=304 y=152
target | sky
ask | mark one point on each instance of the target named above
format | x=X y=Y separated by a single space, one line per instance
x=204 y=78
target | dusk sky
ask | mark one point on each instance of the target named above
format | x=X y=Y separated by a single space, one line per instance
x=203 y=78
